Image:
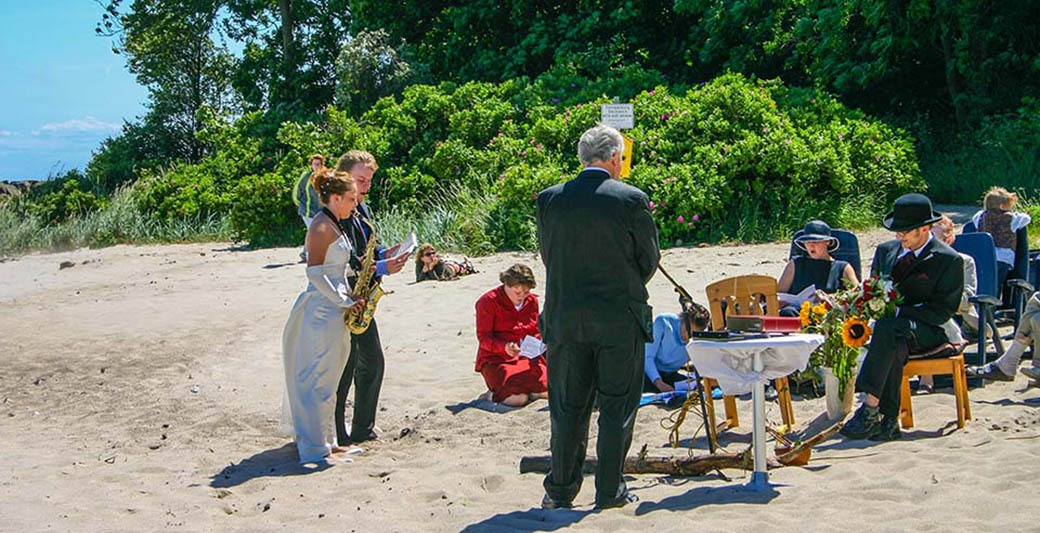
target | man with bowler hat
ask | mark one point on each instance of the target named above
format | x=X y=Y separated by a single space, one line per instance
x=930 y=277
x=599 y=245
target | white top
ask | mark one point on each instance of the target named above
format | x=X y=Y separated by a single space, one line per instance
x=730 y=362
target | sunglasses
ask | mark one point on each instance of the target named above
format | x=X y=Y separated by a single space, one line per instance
x=429 y=254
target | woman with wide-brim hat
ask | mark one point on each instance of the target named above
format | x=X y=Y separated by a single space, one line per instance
x=816 y=267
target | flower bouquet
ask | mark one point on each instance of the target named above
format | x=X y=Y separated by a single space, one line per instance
x=844 y=319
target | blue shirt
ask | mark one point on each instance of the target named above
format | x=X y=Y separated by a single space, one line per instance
x=667 y=352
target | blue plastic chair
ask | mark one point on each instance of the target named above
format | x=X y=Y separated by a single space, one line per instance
x=981 y=248
x=1019 y=280
x=848 y=249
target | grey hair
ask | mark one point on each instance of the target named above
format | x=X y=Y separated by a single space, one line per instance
x=599 y=143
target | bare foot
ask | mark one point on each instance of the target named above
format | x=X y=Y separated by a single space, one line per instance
x=539 y=396
x=516 y=400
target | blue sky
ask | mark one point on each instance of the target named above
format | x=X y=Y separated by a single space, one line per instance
x=62 y=90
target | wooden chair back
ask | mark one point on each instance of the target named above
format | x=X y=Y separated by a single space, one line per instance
x=743 y=295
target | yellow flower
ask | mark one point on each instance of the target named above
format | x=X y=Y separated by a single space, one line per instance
x=855 y=332
x=803 y=314
x=819 y=309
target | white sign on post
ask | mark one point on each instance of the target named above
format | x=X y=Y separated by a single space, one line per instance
x=620 y=116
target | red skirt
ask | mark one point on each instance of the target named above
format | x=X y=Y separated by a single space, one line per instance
x=516 y=376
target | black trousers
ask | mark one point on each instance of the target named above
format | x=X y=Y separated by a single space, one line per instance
x=611 y=369
x=890 y=345
x=365 y=368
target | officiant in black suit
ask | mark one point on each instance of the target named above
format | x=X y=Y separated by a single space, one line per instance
x=930 y=277
x=599 y=245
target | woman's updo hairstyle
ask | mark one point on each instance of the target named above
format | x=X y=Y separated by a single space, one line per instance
x=328 y=182
x=518 y=274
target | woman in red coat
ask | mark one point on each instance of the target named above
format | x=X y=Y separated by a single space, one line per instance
x=505 y=315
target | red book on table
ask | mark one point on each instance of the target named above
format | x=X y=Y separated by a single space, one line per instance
x=760 y=323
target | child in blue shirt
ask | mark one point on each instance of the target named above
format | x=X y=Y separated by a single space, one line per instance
x=666 y=355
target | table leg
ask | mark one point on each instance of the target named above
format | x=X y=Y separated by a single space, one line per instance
x=760 y=476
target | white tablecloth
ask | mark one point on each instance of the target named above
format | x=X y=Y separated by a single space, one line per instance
x=730 y=362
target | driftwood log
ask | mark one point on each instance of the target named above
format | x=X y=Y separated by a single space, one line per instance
x=697 y=465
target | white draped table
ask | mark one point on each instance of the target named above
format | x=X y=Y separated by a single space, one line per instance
x=746 y=365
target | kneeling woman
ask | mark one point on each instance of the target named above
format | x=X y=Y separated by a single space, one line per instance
x=315 y=344
x=505 y=315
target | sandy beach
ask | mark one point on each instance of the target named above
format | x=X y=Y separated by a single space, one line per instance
x=141 y=391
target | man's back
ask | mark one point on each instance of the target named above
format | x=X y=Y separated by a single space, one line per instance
x=599 y=246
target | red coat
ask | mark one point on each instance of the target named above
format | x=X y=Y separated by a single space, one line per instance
x=498 y=323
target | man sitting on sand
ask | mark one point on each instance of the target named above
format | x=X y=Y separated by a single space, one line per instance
x=930 y=277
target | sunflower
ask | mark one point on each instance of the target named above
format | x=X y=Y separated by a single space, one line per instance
x=819 y=309
x=803 y=314
x=855 y=332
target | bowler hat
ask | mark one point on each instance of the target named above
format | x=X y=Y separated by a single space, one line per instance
x=816 y=230
x=910 y=211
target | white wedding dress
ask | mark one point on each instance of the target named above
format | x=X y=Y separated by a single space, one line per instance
x=315 y=347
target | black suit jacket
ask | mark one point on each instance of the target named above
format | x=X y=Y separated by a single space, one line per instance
x=598 y=242
x=932 y=287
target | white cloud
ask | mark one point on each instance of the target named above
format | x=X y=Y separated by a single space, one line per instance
x=5 y=133
x=79 y=125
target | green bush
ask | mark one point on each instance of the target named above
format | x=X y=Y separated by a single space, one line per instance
x=1004 y=150
x=263 y=213
x=57 y=200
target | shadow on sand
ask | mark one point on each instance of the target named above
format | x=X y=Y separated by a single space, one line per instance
x=276 y=462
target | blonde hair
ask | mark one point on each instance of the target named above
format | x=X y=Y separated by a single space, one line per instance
x=354 y=157
x=1000 y=198
x=328 y=182
x=319 y=157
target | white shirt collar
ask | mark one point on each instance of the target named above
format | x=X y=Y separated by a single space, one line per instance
x=601 y=169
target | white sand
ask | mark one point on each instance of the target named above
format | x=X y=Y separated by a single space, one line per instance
x=100 y=428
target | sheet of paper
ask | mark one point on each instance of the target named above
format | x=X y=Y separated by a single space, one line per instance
x=407 y=246
x=797 y=299
x=531 y=347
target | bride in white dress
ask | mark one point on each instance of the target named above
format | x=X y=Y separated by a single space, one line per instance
x=316 y=344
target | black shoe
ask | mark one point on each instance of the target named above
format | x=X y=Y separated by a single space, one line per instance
x=620 y=501
x=989 y=371
x=863 y=424
x=359 y=439
x=887 y=430
x=549 y=503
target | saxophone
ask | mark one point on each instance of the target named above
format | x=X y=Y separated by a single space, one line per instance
x=366 y=286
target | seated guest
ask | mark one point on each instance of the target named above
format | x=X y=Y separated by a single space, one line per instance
x=505 y=315
x=943 y=230
x=817 y=268
x=1003 y=369
x=430 y=266
x=999 y=219
x=930 y=277
x=666 y=355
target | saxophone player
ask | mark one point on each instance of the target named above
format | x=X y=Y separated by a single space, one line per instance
x=365 y=364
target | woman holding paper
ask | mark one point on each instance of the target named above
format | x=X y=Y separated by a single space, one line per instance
x=816 y=268
x=506 y=316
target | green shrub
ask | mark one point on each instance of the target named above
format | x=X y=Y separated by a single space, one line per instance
x=263 y=213
x=1004 y=150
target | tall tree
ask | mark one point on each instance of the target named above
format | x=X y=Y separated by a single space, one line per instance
x=288 y=65
x=169 y=46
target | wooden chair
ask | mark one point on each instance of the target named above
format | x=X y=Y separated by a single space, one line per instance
x=946 y=359
x=743 y=295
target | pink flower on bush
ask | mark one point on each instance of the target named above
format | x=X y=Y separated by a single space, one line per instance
x=664 y=116
x=877 y=158
x=532 y=141
x=437 y=144
x=652 y=205
x=652 y=91
x=579 y=105
x=787 y=142
x=500 y=134
x=689 y=223
x=696 y=217
x=524 y=153
x=539 y=147
x=841 y=137
x=681 y=219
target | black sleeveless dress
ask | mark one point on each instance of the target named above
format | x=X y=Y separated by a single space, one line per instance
x=824 y=273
